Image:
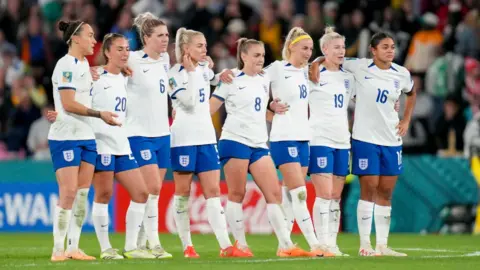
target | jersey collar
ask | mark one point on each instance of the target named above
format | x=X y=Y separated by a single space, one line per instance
x=391 y=66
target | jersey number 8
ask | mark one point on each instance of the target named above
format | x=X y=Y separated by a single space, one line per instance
x=258 y=104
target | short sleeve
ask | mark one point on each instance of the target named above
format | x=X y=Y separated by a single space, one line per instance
x=222 y=91
x=176 y=81
x=65 y=77
x=273 y=71
x=408 y=83
x=352 y=64
x=97 y=87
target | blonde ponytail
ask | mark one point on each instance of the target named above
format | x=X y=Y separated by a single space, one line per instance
x=182 y=38
x=295 y=33
x=242 y=47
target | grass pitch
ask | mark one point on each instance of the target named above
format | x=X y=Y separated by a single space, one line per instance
x=32 y=251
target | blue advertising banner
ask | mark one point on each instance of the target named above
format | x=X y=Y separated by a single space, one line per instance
x=29 y=207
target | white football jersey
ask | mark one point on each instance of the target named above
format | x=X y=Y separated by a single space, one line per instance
x=110 y=94
x=246 y=104
x=328 y=108
x=377 y=91
x=190 y=93
x=147 y=96
x=290 y=84
x=70 y=73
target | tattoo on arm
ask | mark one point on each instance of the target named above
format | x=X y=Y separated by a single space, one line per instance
x=93 y=113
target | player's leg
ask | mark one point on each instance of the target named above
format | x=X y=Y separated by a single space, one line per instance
x=208 y=171
x=390 y=168
x=144 y=151
x=340 y=171
x=287 y=156
x=103 y=186
x=321 y=173
x=235 y=158
x=183 y=166
x=130 y=177
x=79 y=210
x=265 y=176
x=366 y=164
x=66 y=161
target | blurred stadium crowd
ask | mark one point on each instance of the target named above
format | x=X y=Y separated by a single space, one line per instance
x=437 y=40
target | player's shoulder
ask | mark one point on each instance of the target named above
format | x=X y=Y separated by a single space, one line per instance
x=403 y=71
x=67 y=61
x=165 y=57
x=274 y=64
x=176 y=69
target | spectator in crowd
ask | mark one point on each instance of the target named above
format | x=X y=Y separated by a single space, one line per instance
x=450 y=127
x=270 y=31
x=37 y=140
x=468 y=36
x=425 y=45
x=472 y=85
x=124 y=27
x=10 y=20
x=314 y=22
x=172 y=16
x=22 y=116
x=361 y=38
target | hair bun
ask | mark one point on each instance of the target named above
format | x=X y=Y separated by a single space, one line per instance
x=329 y=29
x=63 y=25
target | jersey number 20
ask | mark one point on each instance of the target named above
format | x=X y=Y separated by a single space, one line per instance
x=121 y=104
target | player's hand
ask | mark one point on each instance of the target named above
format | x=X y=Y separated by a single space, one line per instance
x=94 y=73
x=52 y=116
x=187 y=63
x=210 y=62
x=109 y=118
x=313 y=73
x=226 y=76
x=127 y=71
x=278 y=107
x=397 y=106
x=403 y=127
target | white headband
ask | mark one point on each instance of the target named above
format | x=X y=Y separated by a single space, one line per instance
x=76 y=29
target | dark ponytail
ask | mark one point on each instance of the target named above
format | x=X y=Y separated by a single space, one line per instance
x=70 y=29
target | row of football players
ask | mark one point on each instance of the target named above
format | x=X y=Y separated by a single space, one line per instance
x=242 y=146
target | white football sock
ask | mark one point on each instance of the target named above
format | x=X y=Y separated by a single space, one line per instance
x=216 y=218
x=235 y=221
x=61 y=221
x=287 y=208
x=79 y=213
x=100 y=223
x=277 y=220
x=182 y=220
x=321 y=218
x=135 y=214
x=382 y=223
x=142 y=237
x=150 y=221
x=364 y=221
x=334 y=222
x=302 y=215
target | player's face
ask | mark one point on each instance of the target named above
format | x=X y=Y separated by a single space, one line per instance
x=159 y=39
x=86 y=39
x=254 y=58
x=118 y=52
x=302 y=50
x=385 y=50
x=335 y=51
x=197 y=48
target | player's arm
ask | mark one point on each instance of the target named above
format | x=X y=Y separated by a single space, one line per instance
x=219 y=96
x=67 y=96
x=183 y=91
x=410 y=100
x=314 y=69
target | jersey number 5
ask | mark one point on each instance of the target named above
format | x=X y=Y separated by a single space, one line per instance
x=382 y=95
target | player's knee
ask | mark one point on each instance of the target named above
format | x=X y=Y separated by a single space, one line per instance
x=140 y=196
x=182 y=190
x=236 y=195
x=211 y=192
x=68 y=194
x=385 y=193
x=103 y=196
x=336 y=195
x=154 y=189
